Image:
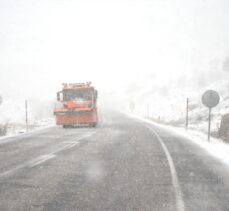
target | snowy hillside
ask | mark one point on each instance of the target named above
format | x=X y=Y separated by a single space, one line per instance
x=169 y=105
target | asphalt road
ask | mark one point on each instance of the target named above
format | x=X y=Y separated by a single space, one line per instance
x=123 y=164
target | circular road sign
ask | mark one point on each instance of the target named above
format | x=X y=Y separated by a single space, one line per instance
x=210 y=98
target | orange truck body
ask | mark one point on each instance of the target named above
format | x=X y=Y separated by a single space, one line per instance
x=78 y=105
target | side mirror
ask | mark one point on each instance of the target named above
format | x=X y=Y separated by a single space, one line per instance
x=58 y=96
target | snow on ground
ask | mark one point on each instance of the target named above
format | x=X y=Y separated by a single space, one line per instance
x=12 y=114
x=15 y=128
x=169 y=107
x=216 y=147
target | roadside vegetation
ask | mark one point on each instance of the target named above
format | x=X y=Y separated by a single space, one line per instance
x=3 y=129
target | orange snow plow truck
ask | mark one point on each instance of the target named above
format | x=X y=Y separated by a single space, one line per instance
x=78 y=105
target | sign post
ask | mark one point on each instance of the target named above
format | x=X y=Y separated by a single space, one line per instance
x=26 y=115
x=187 y=109
x=210 y=99
x=209 y=124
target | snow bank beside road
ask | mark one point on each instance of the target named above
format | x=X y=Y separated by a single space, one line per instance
x=215 y=147
x=12 y=114
x=16 y=134
x=17 y=128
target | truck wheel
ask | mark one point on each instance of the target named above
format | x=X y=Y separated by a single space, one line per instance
x=94 y=124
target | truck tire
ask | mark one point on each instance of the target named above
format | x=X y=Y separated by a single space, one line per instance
x=93 y=124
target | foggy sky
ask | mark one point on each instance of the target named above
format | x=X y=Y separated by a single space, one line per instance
x=112 y=43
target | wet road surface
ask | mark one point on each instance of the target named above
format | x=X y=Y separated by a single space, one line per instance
x=123 y=164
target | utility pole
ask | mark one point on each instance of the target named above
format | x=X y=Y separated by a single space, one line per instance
x=187 y=110
x=26 y=115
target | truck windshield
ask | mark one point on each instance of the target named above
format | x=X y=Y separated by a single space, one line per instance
x=78 y=95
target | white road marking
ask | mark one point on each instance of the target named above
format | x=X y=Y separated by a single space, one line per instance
x=43 y=158
x=73 y=141
x=175 y=181
x=6 y=173
x=68 y=146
